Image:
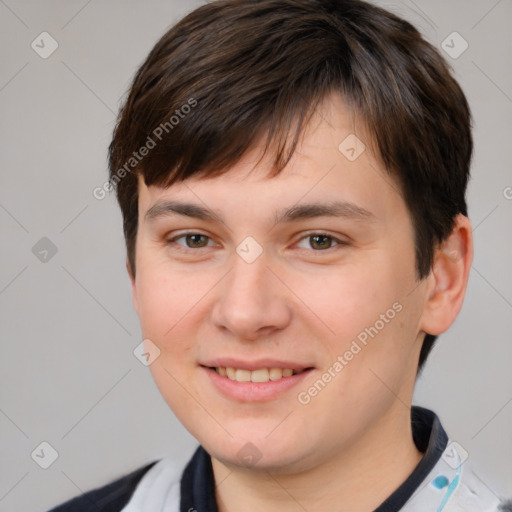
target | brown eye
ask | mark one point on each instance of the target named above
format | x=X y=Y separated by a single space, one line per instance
x=319 y=242
x=196 y=240
x=192 y=241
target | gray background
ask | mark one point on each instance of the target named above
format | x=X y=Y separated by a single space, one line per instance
x=68 y=329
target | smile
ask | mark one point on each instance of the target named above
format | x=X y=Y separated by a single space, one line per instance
x=259 y=375
x=257 y=384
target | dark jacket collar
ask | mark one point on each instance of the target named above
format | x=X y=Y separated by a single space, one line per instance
x=198 y=484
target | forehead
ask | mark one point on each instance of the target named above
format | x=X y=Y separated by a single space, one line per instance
x=334 y=161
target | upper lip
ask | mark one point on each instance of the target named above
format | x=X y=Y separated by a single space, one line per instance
x=228 y=362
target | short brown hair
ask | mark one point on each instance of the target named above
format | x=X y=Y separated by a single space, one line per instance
x=254 y=68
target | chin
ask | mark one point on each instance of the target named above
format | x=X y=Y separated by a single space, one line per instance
x=255 y=451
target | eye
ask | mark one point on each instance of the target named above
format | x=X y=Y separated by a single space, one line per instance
x=320 y=241
x=192 y=240
x=317 y=241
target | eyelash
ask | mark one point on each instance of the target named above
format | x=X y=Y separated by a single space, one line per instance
x=309 y=235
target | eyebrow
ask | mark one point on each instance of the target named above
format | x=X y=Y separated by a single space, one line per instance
x=297 y=212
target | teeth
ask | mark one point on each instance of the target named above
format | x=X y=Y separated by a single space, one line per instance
x=260 y=375
x=243 y=375
x=275 y=373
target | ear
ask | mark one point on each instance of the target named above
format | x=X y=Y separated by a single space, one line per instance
x=134 y=286
x=448 y=278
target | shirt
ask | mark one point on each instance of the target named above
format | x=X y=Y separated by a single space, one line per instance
x=442 y=481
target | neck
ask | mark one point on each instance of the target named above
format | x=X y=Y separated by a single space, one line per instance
x=357 y=479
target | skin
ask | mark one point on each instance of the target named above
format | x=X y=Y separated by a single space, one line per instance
x=303 y=300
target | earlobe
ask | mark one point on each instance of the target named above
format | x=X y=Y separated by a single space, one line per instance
x=134 y=286
x=449 y=278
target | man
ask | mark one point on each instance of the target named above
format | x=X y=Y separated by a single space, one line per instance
x=292 y=179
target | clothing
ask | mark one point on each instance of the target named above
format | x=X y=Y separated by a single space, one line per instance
x=109 y=498
x=442 y=481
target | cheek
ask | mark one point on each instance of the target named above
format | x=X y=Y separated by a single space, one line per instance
x=157 y=300
x=165 y=299
x=168 y=302
x=367 y=317
x=345 y=300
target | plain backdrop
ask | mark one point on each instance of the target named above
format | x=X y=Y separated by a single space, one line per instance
x=68 y=330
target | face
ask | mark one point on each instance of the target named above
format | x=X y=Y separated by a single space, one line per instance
x=310 y=273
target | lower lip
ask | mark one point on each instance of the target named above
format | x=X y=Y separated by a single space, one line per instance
x=254 y=391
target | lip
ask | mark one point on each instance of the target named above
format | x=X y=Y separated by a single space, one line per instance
x=227 y=362
x=255 y=391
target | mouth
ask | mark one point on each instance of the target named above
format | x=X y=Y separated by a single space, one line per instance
x=257 y=382
x=259 y=375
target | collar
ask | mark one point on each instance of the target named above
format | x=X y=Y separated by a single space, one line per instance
x=198 y=484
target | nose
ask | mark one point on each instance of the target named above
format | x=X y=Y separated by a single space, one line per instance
x=252 y=302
